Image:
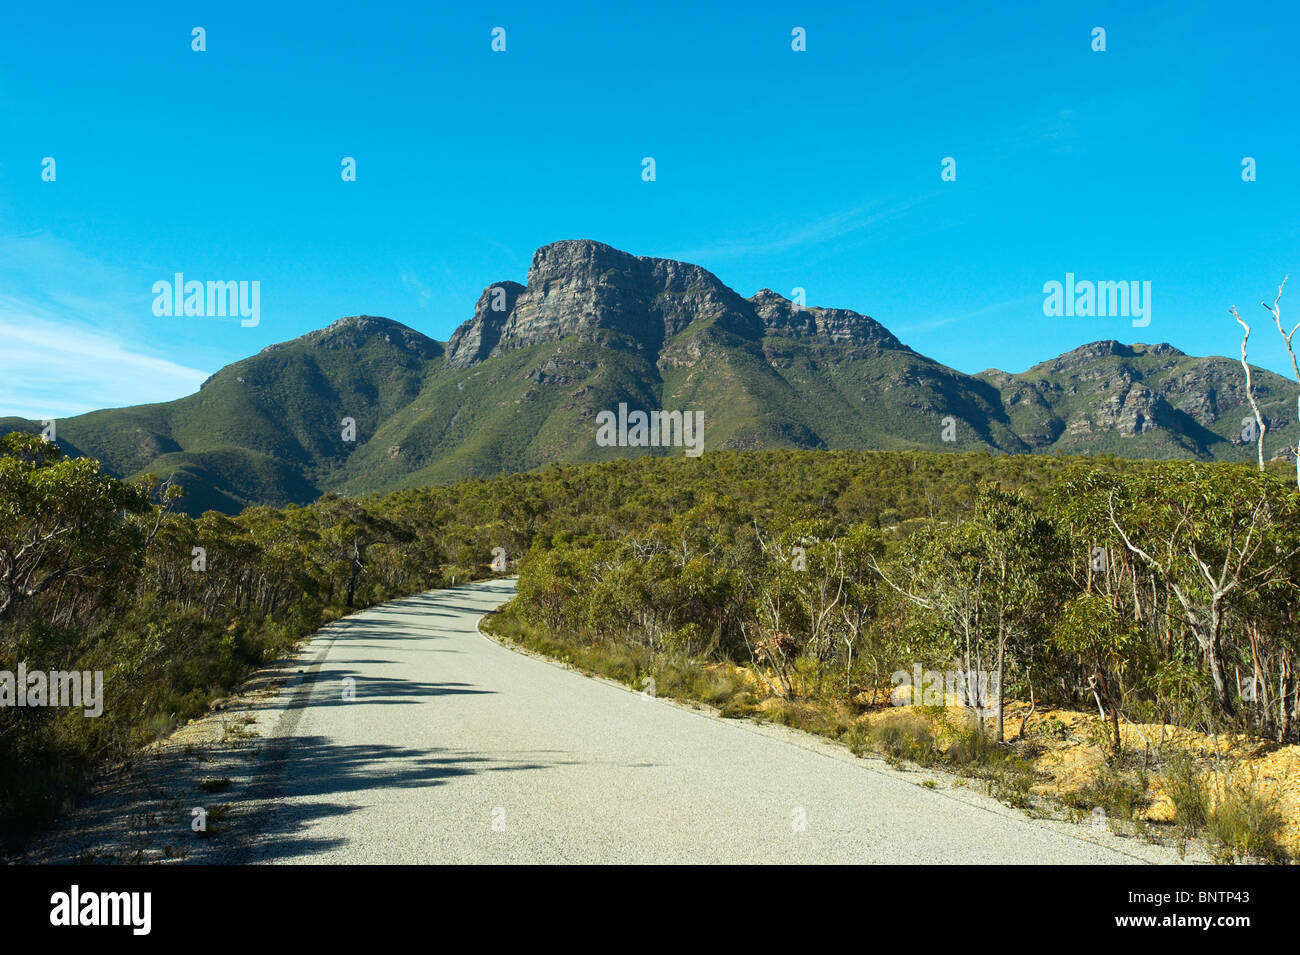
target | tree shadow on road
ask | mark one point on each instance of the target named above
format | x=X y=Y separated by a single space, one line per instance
x=330 y=690
x=297 y=780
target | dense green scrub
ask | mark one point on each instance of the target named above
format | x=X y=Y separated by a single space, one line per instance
x=1152 y=591
x=98 y=575
x=1147 y=589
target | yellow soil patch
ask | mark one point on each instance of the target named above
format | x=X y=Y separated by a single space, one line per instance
x=1073 y=748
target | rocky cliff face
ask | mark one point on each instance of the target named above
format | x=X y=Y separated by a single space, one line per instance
x=578 y=286
x=833 y=326
x=478 y=338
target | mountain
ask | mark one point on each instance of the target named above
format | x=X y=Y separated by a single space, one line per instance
x=521 y=383
x=1144 y=401
x=265 y=429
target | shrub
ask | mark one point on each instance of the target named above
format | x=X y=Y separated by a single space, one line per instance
x=973 y=746
x=1010 y=780
x=905 y=736
x=1184 y=783
x=858 y=738
x=739 y=706
x=1123 y=794
x=1245 y=823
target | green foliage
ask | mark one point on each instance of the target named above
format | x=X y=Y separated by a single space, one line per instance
x=1091 y=626
x=59 y=520
x=972 y=747
x=819 y=573
x=1241 y=821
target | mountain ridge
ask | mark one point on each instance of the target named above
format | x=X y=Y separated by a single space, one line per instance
x=520 y=382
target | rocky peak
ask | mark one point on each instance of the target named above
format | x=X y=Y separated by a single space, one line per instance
x=356 y=331
x=577 y=286
x=577 y=258
x=476 y=339
x=839 y=326
x=1108 y=348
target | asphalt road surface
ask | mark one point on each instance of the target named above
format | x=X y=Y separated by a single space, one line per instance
x=413 y=738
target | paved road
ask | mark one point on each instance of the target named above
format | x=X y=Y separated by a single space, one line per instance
x=456 y=749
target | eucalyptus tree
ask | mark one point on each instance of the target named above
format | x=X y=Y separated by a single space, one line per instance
x=1025 y=557
x=859 y=547
x=347 y=532
x=995 y=579
x=62 y=520
x=1091 y=627
x=1216 y=537
x=941 y=569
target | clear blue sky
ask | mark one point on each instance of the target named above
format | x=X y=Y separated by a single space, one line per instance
x=776 y=169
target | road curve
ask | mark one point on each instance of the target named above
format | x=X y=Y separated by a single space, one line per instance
x=457 y=749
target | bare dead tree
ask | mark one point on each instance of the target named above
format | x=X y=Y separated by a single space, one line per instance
x=1250 y=388
x=1276 y=311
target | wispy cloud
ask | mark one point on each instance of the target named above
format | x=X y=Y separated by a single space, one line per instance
x=49 y=368
x=66 y=351
x=906 y=327
x=1058 y=131
x=782 y=238
x=422 y=292
x=68 y=343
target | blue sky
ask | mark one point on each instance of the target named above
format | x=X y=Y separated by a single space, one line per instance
x=817 y=169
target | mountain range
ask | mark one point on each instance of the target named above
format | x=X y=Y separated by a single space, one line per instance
x=520 y=384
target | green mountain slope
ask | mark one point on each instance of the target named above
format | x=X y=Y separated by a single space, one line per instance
x=521 y=382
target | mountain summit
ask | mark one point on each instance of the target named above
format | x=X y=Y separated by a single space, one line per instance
x=577 y=287
x=368 y=404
